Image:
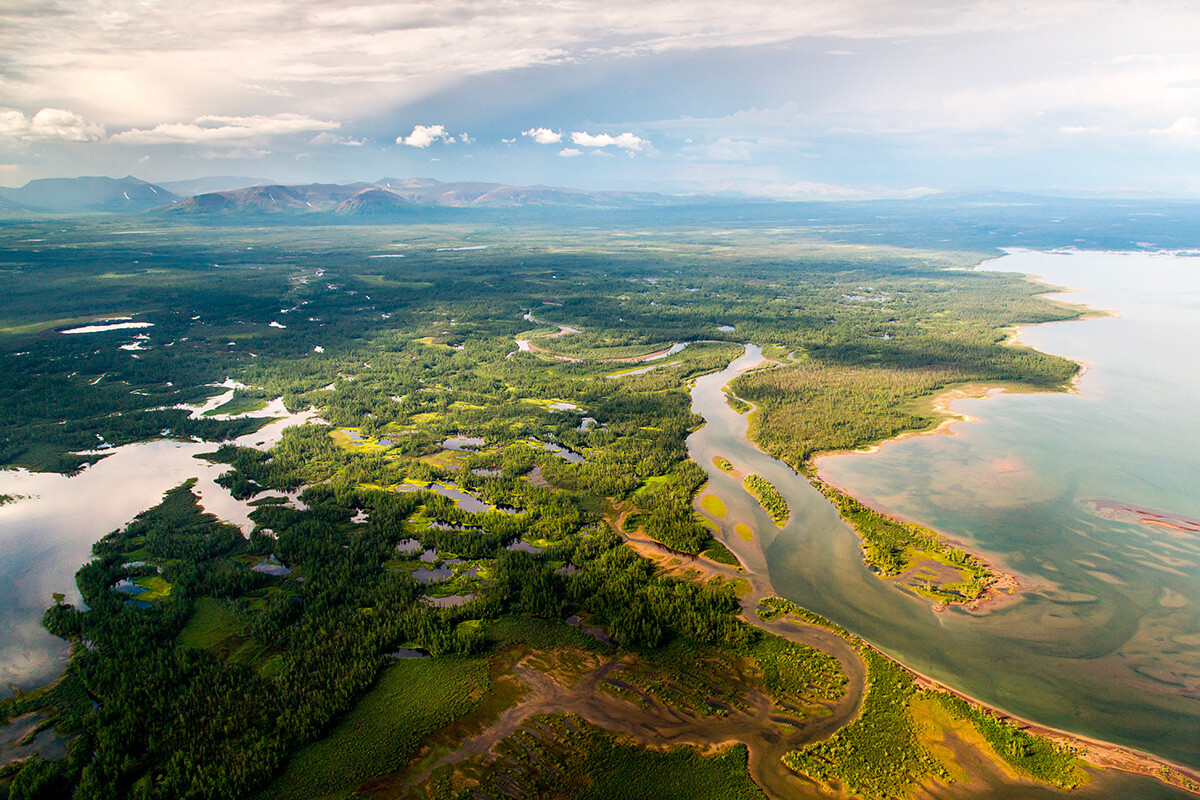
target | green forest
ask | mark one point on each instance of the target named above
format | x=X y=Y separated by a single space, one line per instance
x=251 y=665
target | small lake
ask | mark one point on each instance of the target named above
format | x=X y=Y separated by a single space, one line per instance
x=101 y=327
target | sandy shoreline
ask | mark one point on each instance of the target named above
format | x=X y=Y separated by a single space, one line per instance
x=1095 y=752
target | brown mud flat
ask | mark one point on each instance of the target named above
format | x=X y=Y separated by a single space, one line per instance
x=1093 y=752
x=602 y=698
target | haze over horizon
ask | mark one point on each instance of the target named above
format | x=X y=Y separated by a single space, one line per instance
x=1089 y=98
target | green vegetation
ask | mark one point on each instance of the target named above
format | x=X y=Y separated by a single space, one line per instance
x=1034 y=756
x=878 y=754
x=768 y=497
x=797 y=671
x=411 y=699
x=242 y=402
x=713 y=505
x=565 y=756
x=737 y=404
x=723 y=464
x=721 y=554
x=939 y=330
x=232 y=678
x=774 y=607
x=891 y=547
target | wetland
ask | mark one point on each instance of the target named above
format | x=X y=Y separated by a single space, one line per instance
x=580 y=558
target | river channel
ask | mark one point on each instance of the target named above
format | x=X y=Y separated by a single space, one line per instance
x=1104 y=639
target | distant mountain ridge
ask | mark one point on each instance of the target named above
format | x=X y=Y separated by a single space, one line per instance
x=273 y=198
x=212 y=183
x=398 y=195
x=428 y=191
x=92 y=193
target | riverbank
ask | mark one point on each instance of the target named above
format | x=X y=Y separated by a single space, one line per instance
x=723 y=443
x=758 y=587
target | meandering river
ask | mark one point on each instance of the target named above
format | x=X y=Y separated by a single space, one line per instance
x=1105 y=640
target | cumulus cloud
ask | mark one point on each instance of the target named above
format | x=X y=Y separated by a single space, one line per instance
x=425 y=135
x=625 y=141
x=543 y=135
x=48 y=124
x=570 y=152
x=214 y=129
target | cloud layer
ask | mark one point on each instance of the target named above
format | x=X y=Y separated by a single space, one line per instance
x=214 y=129
x=824 y=90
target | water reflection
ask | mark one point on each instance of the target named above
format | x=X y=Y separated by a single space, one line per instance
x=45 y=537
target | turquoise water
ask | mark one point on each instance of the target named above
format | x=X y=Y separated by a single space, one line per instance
x=1106 y=637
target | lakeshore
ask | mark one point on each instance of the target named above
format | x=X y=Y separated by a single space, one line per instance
x=976 y=481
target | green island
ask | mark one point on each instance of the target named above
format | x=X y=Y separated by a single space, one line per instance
x=910 y=553
x=479 y=572
x=768 y=497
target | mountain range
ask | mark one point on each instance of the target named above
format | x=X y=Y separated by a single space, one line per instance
x=87 y=194
x=387 y=196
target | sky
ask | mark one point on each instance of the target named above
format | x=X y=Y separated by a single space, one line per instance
x=803 y=98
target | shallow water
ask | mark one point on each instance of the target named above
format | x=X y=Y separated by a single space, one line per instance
x=1105 y=640
x=47 y=536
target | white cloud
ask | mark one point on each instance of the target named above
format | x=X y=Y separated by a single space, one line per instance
x=9 y=167
x=48 y=124
x=570 y=152
x=214 y=129
x=425 y=135
x=626 y=141
x=543 y=135
x=1184 y=129
x=464 y=138
x=236 y=154
x=325 y=137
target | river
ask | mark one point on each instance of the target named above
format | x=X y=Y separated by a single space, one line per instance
x=1105 y=640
